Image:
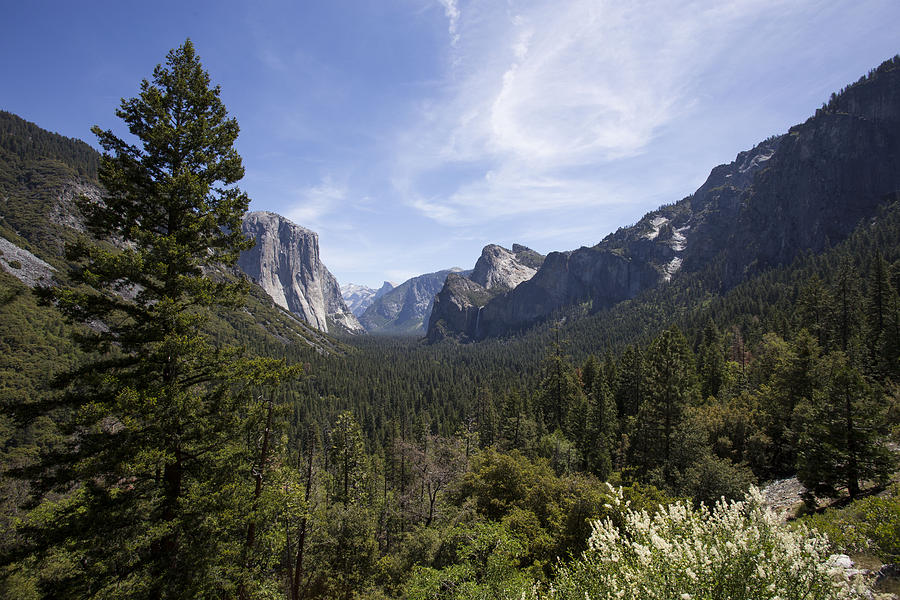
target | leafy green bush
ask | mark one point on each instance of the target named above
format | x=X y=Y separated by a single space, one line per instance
x=737 y=550
x=485 y=566
x=870 y=525
x=711 y=478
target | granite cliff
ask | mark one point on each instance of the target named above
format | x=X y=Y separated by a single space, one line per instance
x=405 y=310
x=798 y=192
x=458 y=306
x=285 y=263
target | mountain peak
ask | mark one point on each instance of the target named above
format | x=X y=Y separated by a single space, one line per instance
x=500 y=268
x=285 y=263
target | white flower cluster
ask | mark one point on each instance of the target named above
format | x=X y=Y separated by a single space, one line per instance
x=738 y=550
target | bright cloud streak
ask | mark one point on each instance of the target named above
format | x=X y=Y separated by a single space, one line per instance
x=316 y=203
x=451 y=10
x=547 y=88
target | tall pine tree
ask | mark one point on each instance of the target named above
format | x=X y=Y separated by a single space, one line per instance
x=670 y=386
x=842 y=441
x=154 y=486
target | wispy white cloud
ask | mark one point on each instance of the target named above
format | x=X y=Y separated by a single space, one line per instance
x=542 y=90
x=451 y=10
x=438 y=211
x=316 y=202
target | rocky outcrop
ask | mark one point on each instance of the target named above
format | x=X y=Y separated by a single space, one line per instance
x=65 y=209
x=499 y=268
x=406 y=309
x=24 y=266
x=458 y=306
x=384 y=289
x=285 y=263
x=794 y=193
x=336 y=310
x=359 y=297
x=457 y=310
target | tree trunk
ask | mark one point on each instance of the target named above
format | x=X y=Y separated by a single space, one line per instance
x=852 y=451
x=257 y=492
x=301 y=538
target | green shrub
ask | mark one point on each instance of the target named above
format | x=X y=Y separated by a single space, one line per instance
x=485 y=565
x=711 y=478
x=870 y=525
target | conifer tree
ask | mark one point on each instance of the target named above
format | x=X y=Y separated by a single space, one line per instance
x=558 y=391
x=814 y=310
x=841 y=442
x=599 y=450
x=347 y=459
x=670 y=385
x=512 y=420
x=629 y=382
x=487 y=419
x=711 y=361
x=155 y=483
x=877 y=304
x=883 y=320
x=848 y=303
x=591 y=373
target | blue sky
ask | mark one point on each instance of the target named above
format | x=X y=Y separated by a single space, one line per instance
x=410 y=133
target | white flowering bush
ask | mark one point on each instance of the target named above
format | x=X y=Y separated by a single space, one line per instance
x=738 y=550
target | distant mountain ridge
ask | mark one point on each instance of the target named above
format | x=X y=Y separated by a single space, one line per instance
x=801 y=191
x=359 y=297
x=405 y=309
x=798 y=192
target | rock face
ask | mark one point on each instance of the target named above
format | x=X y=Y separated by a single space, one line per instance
x=405 y=309
x=498 y=267
x=285 y=263
x=24 y=266
x=360 y=297
x=458 y=306
x=798 y=192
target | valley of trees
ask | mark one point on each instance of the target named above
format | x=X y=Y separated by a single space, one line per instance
x=158 y=440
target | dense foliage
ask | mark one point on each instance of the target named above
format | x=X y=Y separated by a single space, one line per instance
x=867 y=527
x=39 y=172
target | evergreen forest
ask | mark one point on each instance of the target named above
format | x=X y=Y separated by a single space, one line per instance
x=167 y=431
